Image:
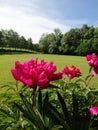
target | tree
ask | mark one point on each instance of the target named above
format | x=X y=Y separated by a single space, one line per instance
x=22 y=43
x=5 y=42
x=13 y=39
x=70 y=41
x=29 y=44
x=1 y=42
x=36 y=47
x=86 y=47
x=49 y=43
x=95 y=40
x=83 y=30
x=52 y=44
x=10 y=38
x=55 y=41
x=89 y=34
x=44 y=43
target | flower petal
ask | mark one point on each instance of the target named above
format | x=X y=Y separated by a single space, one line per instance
x=94 y=110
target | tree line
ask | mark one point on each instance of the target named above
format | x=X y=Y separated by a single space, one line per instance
x=77 y=41
x=11 y=39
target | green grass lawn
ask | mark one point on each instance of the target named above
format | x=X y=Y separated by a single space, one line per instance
x=7 y=62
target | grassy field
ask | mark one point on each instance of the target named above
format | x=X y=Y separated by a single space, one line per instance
x=7 y=62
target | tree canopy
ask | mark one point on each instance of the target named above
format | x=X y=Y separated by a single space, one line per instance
x=77 y=41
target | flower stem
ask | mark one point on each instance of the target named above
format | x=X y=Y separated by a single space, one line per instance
x=87 y=83
x=33 y=101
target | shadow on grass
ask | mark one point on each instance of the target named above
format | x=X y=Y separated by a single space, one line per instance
x=16 y=51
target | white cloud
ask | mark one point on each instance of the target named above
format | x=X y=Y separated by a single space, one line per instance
x=28 y=25
x=30 y=20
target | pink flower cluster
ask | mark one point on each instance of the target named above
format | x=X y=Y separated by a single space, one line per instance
x=72 y=71
x=92 y=60
x=94 y=110
x=33 y=73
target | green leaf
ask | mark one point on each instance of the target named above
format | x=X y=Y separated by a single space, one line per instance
x=28 y=106
x=80 y=80
x=45 y=104
x=90 y=69
x=41 y=118
x=57 y=127
x=5 y=113
x=32 y=114
x=85 y=124
x=51 y=86
x=27 y=115
x=8 y=86
x=47 y=121
x=75 y=113
x=54 y=115
x=20 y=108
x=87 y=77
x=64 y=109
x=40 y=101
x=3 y=127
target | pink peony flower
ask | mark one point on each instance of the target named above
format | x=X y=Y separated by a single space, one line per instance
x=33 y=73
x=71 y=72
x=94 y=110
x=95 y=71
x=92 y=60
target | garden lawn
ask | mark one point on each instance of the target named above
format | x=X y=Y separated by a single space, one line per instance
x=7 y=62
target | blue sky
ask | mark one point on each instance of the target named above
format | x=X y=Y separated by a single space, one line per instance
x=32 y=18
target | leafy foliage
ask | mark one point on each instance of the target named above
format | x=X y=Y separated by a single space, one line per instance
x=63 y=105
x=68 y=111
